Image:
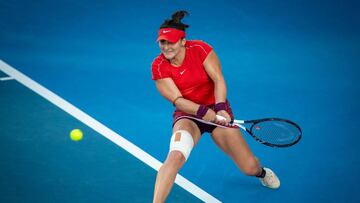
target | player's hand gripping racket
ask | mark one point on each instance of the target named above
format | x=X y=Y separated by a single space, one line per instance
x=274 y=132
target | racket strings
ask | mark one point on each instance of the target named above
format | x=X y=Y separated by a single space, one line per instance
x=276 y=132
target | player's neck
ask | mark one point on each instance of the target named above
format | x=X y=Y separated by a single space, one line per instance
x=179 y=58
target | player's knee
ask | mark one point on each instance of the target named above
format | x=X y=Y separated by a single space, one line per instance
x=181 y=145
x=175 y=158
x=251 y=168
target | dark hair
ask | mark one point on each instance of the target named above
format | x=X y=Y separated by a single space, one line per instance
x=175 y=21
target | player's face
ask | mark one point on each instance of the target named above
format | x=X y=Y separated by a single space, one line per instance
x=170 y=50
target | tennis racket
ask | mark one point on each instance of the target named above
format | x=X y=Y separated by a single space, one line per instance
x=273 y=132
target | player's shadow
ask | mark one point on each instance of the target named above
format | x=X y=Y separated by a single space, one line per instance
x=242 y=182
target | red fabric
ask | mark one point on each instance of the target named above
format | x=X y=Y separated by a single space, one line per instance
x=191 y=77
x=170 y=34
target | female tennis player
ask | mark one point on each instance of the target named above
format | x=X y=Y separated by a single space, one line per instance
x=188 y=74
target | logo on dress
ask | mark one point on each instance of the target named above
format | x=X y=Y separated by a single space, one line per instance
x=182 y=72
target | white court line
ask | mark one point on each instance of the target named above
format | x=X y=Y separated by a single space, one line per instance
x=103 y=130
x=6 y=78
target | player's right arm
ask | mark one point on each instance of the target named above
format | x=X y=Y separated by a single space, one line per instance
x=169 y=90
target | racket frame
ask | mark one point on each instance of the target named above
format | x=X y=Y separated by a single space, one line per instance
x=240 y=123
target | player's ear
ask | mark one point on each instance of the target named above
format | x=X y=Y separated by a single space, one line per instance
x=183 y=42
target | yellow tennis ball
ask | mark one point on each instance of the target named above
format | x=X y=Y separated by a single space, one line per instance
x=76 y=135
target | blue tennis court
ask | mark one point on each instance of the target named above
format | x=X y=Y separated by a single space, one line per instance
x=86 y=64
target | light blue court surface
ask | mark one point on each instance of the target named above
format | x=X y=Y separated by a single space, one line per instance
x=41 y=164
x=293 y=59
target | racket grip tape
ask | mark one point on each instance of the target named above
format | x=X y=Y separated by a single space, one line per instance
x=220 y=118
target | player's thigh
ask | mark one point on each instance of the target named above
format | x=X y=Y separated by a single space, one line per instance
x=232 y=142
x=190 y=126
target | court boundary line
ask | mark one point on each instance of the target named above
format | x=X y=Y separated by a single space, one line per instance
x=102 y=130
x=6 y=78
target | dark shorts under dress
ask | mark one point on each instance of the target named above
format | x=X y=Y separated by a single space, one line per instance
x=178 y=115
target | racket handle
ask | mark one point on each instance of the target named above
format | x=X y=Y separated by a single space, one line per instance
x=220 y=118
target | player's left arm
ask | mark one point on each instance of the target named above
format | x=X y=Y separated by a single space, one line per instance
x=213 y=69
